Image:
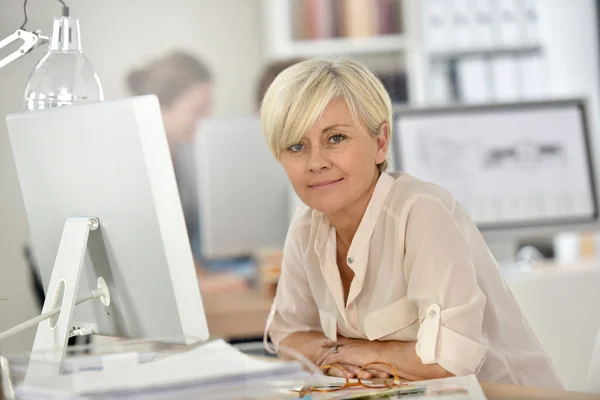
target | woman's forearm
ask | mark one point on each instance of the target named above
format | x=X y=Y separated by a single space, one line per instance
x=403 y=357
x=307 y=343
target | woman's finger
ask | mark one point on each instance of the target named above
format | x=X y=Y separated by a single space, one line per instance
x=352 y=369
x=340 y=372
x=324 y=358
x=332 y=356
x=381 y=374
x=378 y=373
x=331 y=359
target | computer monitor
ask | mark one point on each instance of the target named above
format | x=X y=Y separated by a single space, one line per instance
x=111 y=161
x=244 y=193
x=520 y=170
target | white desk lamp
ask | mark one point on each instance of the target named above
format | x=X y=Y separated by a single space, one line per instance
x=64 y=76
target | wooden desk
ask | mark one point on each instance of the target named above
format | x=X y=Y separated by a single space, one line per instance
x=497 y=391
x=237 y=315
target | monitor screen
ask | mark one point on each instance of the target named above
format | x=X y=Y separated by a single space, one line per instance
x=508 y=165
x=243 y=191
x=110 y=160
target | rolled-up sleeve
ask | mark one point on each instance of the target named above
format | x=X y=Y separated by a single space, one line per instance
x=295 y=309
x=442 y=281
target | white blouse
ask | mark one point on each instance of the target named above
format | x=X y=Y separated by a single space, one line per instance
x=422 y=272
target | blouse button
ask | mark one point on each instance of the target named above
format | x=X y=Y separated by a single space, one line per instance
x=350 y=260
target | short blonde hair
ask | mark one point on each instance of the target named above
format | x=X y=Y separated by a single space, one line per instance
x=300 y=94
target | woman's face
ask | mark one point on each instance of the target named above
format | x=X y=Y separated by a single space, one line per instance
x=335 y=163
x=182 y=116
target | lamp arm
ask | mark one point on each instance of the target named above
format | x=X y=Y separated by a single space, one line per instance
x=30 y=41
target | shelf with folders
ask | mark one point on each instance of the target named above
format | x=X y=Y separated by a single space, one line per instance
x=496 y=51
x=316 y=28
x=328 y=47
x=490 y=78
x=371 y=31
x=444 y=48
x=480 y=26
x=478 y=51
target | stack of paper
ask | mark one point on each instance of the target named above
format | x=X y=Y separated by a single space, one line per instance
x=214 y=370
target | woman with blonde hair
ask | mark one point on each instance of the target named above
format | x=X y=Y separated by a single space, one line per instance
x=382 y=267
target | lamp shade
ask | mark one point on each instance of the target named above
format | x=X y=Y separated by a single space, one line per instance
x=64 y=76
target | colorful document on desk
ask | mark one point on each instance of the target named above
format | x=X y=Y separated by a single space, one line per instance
x=455 y=388
x=214 y=370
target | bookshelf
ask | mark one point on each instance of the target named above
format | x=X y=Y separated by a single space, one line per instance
x=431 y=43
x=343 y=46
x=372 y=31
x=450 y=54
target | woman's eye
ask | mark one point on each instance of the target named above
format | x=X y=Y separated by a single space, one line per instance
x=296 y=147
x=337 y=138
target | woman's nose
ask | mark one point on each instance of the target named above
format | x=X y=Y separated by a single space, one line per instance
x=318 y=160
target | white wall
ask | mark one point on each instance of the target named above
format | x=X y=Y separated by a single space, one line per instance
x=116 y=36
x=570 y=36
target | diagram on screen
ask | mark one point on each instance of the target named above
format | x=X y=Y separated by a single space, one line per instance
x=448 y=155
x=455 y=154
x=514 y=165
x=525 y=154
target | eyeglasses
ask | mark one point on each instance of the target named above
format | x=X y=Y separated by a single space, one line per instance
x=373 y=383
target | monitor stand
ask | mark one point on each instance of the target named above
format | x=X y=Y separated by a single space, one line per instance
x=49 y=346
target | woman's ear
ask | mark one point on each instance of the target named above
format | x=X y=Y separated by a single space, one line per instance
x=383 y=142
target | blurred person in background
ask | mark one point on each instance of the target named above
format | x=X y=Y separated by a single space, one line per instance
x=183 y=85
x=268 y=75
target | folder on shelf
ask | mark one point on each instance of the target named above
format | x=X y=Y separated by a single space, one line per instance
x=505 y=78
x=482 y=28
x=388 y=17
x=440 y=85
x=506 y=22
x=462 y=24
x=529 y=20
x=437 y=24
x=319 y=19
x=358 y=18
x=297 y=20
x=534 y=79
x=473 y=80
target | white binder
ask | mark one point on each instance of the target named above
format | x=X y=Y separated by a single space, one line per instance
x=462 y=24
x=534 y=76
x=505 y=78
x=437 y=24
x=529 y=20
x=482 y=28
x=474 y=80
x=506 y=22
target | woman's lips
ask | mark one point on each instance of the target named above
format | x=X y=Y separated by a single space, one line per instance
x=325 y=184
